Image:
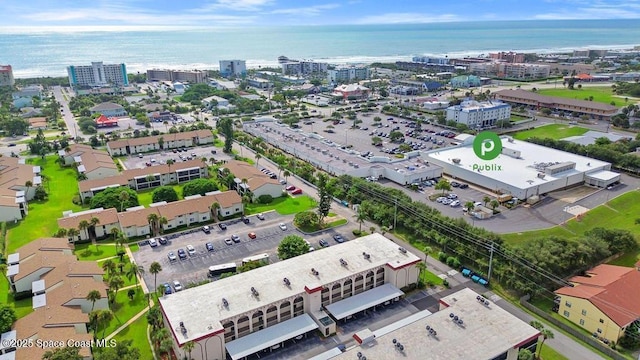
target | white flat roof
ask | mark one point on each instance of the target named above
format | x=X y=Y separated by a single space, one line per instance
x=187 y=305
x=604 y=175
x=487 y=332
x=270 y=336
x=517 y=172
x=363 y=301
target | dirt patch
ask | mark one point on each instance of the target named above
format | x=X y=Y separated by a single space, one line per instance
x=573 y=194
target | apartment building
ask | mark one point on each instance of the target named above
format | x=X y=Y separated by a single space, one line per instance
x=304 y=67
x=254 y=310
x=233 y=68
x=257 y=183
x=93 y=163
x=151 y=143
x=347 y=74
x=479 y=115
x=6 y=76
x=18 y=183
x=97 y=75
x=185 y=76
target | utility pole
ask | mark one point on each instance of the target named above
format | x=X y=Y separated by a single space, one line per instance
x=395 y=214
x=490 y=261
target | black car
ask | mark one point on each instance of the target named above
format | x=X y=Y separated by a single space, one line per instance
x=245 y=220
x=182 y=254
x=163 y=241
x=209 y=246
x=455 y=184
x=222 y=226
x=338 y=238
x=323 y=243
x=464 y=186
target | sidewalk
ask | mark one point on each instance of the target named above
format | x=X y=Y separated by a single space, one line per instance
x=129 y=322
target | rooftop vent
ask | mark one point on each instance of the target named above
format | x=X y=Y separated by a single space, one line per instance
x=361 y=356
x=254 y=292
x=398 y=345
x=456 y=161
x=431 y=331
x=315 y=272
x=286 y=282
x=402 y=250
x=366 y=256
x=183 y=329
x=343 y=262
x=225 y=303
x=482 y=300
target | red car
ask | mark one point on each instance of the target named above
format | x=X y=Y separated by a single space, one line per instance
x=296 y=192
x=290 y=188
x=252 y=235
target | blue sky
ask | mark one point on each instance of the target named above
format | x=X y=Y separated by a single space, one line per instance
x=32 y=13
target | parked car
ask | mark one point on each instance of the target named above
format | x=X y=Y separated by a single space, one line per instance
x=153 y=242
x=191 y=250
x=464 y=186
x=282 y=226
x=296 y=192
x=228 y=241
x=323 y=243
x=167 y=289
x=209 y=246
x=163 y=240
x=182 y=254
x=260 y=216
x=338 y=238
x=455 y=203
x=206 y=229
x=290 y=188
x=172 y=256
x=222 y=226
x=252 y=235
x=176 y=285
x=235 y=238
x=246 y=220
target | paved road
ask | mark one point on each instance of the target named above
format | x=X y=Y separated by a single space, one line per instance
x=59 y=93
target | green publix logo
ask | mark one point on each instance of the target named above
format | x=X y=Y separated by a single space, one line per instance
x=487 y=146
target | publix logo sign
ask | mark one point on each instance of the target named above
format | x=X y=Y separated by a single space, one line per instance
x=487 y=146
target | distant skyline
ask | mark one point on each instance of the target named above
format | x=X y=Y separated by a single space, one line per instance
x=241 y=13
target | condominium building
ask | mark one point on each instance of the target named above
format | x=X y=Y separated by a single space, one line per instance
x=233 y=67
x=511 y=70
x=6 y=76
x=479 y=115
x=152 y=143
x=510 y=56
x=97 y=75
x=304 y=67
x=347 y=74
x=186 y=76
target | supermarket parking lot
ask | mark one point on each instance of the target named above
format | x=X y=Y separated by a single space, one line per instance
x=194 y=268
x=134 y=161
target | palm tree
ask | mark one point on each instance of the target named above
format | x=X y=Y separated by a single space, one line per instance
x=134 y=271
x=546 y=334
x=154 y=317
x=244 y=183
x=188 y=347
x=443 y=185
x=421 y=266
x=280 y=169
x=62 y=232
x=93 y=296
x=162 y=221
x=28 y=184
x=372 y=229
x=84 y=226
x=115 y=232
x=384 y=229
x=72 y=233
x=360 y=217
x=153 y=220
x=246 y=199
x=486 y=200
x=93 y=222
x=214 y=211
x=258 y=157
x=104 y=317
x=170 y=162
x=469 y=205
x=286 y=175
x=154 y=269
x=115 y=283
x=124 y=196
x=109 y=266
x=494 y=204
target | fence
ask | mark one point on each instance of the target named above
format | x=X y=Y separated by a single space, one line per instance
x=567 y=328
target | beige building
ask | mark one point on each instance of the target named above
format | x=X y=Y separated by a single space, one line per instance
x=257 y=183
x=107 y=220
x=256 y=310
x=151 y=143
x=93 y=163
x=18 y=182
x=604 y=301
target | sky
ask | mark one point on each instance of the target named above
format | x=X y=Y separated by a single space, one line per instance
x=235 y=13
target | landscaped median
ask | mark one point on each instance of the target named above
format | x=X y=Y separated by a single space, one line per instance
x=307 y=222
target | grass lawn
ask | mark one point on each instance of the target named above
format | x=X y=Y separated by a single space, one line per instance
x=41 y=221
x=124 y=309
x=22 y=307
x=328 y=225
x=283 y=205
x=619 y=213
x=428 y=277
x=548 y=353
x=88 y=251
x=127 y=263
x=145 y=197
x=551 y=131
x=137 y=332
x=134 y=247
x=602 y=94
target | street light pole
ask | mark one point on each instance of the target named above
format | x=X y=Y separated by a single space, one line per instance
x=490 y=262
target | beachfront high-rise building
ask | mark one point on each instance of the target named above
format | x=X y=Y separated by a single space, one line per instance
x=347 y=74
x=185 y=76
x=97 y=75
x=304 y=67
x=6 y=76
x=510 y=57
x=233 y=67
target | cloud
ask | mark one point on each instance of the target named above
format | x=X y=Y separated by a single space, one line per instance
x=237 y=5
x=306 y=11
x=407 y=18
x=594 y=10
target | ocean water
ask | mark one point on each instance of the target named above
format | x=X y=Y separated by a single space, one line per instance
x=48 y=51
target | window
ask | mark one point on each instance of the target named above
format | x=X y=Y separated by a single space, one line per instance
x=582 y=322
x=584 y=312
x=567 y=304
x=599 y=331
x=566 y=313
x=601 y=321
x=226 y=213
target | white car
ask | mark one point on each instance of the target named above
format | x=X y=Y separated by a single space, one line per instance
x=282 y=226
x=455 y=203
x=452 y=196
x=177 y=286
x=191 y=250
x=153 y=242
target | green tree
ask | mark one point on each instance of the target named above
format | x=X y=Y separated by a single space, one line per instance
x=546 y=334
x=72 y=234
x=134 y=270
x=324 y=205
x=131 y=293
x=361 y=217
x=64 y=353
x=494 y=204
x=124 y=350
x=486 y=199
x=154 y=318
x=164 y=193
x=215 y=207
x=306 y=219
x=443 y=185
x=292 y=246
x=154 y=269
x=469 y=205
x=7 y=318
x=188 y=348
x=198 y=186
x=93 y=296
x=225 y=125
x=152 y=219
x=83 y=226
x=109 y=266
x=112 y=198
x=39 y=144
x=525 y=354
x=396 y=136
x=115 y=283
x=104 y=317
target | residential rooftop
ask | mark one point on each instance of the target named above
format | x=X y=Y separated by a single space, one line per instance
x=187 y=306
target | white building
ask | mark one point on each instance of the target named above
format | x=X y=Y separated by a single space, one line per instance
x=304 y=67
x=479 y=115
x=522 y=169
x=98 y=75
x=6 y=76
x=347 y=74
x=243 y=314
x=188 y=76
x=233 y=67
x=215 y=102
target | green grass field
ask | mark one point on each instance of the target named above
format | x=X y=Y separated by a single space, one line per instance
x=137 y=332
x=124 y=309
x=548 y=353
x=145 y=197
x=283 y=205
x=428 y=277
x=551 y=131
x=42 y=218
x=618 y=213
x=602 y=94
x=88 y=251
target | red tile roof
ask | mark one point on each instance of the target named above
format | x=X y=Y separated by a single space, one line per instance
x=614 y=290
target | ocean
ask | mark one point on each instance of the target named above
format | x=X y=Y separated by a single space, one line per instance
x=48 y=51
